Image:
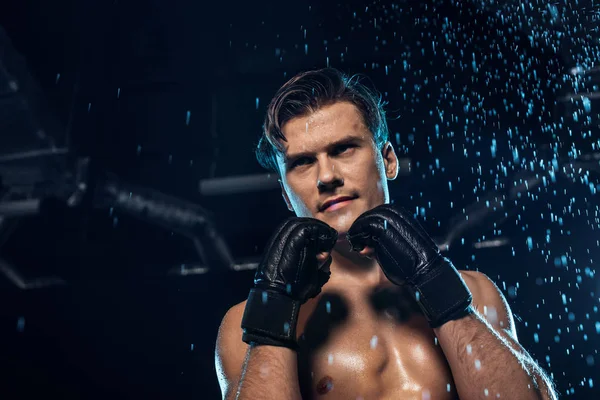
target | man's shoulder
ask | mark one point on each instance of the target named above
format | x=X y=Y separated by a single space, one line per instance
x=229 y=336
x=230 y=349
x=480 y=285
x=239 y=307
x=478 y=277
x=472 y=277
x=487 y=295
x=484 y=291
x=234 y=315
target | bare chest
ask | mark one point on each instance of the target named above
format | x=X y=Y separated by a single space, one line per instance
x=358 y=343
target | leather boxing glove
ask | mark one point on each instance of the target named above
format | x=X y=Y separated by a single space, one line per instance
x=288 y=275
x=408 y=256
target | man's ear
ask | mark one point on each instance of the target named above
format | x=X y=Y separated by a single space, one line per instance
x=390 y=161
x=285 y=196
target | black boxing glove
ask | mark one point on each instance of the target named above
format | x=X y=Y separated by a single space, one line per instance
x=288 y=275
x=408 y=256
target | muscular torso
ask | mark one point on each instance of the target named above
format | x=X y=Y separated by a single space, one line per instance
x=366 y=343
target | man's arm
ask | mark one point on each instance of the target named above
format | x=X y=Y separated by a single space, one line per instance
x=483 y=352
x=270 y=373
x=253 y=372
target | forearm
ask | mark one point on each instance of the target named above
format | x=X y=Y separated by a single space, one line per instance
x=485 y=366
x=269 y=373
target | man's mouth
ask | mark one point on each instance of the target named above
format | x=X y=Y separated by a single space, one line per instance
x=336 y=204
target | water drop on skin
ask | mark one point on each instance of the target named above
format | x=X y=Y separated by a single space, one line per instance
x=264 y=371
x=374 y=342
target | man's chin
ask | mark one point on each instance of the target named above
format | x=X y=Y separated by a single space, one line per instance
x=342 y=222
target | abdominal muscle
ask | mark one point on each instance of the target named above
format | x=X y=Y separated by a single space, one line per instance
x=369 y=343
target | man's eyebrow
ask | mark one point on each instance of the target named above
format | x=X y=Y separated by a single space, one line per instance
x=329 y=147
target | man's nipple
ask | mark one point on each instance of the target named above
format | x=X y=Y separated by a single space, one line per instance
x=325 y=385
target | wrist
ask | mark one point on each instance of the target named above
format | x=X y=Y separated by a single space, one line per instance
x=270 y=318
x=454 y=323
x=441 y=293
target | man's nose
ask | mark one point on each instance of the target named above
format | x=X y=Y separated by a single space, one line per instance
x=329 y=176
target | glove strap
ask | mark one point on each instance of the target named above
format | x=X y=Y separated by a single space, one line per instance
x=443 y=295
x=270 y=318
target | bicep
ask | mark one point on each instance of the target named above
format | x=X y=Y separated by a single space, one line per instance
x=230 y=350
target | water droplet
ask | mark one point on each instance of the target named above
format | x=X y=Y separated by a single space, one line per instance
x=21 y=324
x=373 y=342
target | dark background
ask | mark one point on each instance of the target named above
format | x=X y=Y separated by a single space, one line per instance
x=121 y=76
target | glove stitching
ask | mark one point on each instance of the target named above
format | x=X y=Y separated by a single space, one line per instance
x=429 y=305
x=271 y=336
x=436 y=272
x=279 y=253
x=300 y=263
x=390 y=256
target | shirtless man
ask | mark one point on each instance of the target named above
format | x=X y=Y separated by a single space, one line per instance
x=352 y=299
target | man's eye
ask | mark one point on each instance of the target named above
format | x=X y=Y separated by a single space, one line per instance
x=342 y=149
x=305 y=160
x=299 y=162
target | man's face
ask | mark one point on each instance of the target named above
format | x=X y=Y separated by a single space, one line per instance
x=331 y=154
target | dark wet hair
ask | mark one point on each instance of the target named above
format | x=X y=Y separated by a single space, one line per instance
x=308 y=91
